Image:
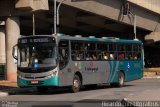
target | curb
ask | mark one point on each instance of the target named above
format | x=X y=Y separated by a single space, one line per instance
x=4 y=94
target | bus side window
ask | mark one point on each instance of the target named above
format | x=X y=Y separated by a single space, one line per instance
x=136 y=52
x=111 y=56
x=90 y=50
x=103 y=53
x=129 y=55
x=63 y=53
x=112 y=49
x=121 y=51
x=77 y=50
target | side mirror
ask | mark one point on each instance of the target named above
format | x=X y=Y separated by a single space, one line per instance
x=14 y=52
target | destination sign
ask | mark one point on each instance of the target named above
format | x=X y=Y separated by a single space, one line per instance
x=35 y=40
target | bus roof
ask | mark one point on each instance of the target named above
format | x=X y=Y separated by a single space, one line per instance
x=90 y=38
x=93 y=38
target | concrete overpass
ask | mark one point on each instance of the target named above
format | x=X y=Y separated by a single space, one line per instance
x=85 y=17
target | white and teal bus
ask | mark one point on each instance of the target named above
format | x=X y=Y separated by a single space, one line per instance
x=61 y=60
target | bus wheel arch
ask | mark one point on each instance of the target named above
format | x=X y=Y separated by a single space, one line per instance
x=77 y=82
x=80 y=76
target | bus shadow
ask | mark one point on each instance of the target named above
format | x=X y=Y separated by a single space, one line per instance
x=104 y=87
x=64 y=90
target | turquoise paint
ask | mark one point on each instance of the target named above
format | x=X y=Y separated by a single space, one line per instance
x=94 y=39
x=133 y=72
x=113 y=77
x=115 y=72
x=54 y=81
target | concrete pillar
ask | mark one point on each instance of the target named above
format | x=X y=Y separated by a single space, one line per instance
x=2 y=46
x=12 y=35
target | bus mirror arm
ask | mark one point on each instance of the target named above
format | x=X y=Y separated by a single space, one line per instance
x=14 y=52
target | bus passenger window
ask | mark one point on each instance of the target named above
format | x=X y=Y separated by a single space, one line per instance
x=121 y=55
x=76 y=55
x=63 y=53
x=111 y=56
x=136 y=56
x=93 y=57
x=105 y=55
x=129 y=56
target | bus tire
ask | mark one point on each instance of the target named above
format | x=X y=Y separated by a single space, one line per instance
x=121 y=79
x=42 y=89
x=76 y=84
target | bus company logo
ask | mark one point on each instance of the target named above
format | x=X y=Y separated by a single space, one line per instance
x=33 y=76
x=128 y=65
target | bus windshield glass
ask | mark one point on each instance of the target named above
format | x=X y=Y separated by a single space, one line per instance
x=37 y=56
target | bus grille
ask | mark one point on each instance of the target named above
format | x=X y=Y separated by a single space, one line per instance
x=35 y=77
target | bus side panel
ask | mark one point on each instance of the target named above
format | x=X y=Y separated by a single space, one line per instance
x=93 y=72
x=66 y=76
x=132 y=69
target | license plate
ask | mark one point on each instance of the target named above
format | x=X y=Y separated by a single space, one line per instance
x=34 y=82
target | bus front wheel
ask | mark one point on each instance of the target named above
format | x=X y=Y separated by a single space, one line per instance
x=76 y=84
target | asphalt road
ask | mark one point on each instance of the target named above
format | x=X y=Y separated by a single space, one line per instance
x=97 y=96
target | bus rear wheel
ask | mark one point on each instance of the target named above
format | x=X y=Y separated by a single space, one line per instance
x=76 y=84
x=120 y=83
x=121 y=80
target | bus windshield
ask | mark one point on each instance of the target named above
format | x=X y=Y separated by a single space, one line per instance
x=37 y=56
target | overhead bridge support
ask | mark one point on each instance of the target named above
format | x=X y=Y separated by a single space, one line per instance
x=152 y=37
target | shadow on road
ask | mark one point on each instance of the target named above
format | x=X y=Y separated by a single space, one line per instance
x=62 y=90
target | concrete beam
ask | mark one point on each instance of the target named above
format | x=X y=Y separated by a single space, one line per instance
x=111 y=9
x=91 y=19
x=22 y=7
x=153 y=37
x=32 y=4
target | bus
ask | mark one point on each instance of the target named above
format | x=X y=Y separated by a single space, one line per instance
x=61 y=60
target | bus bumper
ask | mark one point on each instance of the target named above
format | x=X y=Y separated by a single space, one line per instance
x=47 y=82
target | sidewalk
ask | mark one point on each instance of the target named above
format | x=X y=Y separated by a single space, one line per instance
x=6 y=84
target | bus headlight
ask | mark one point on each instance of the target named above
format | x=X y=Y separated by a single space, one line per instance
x=53 y=74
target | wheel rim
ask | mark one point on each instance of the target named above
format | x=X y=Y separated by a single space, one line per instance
x=121 y=80
x=76 y=84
